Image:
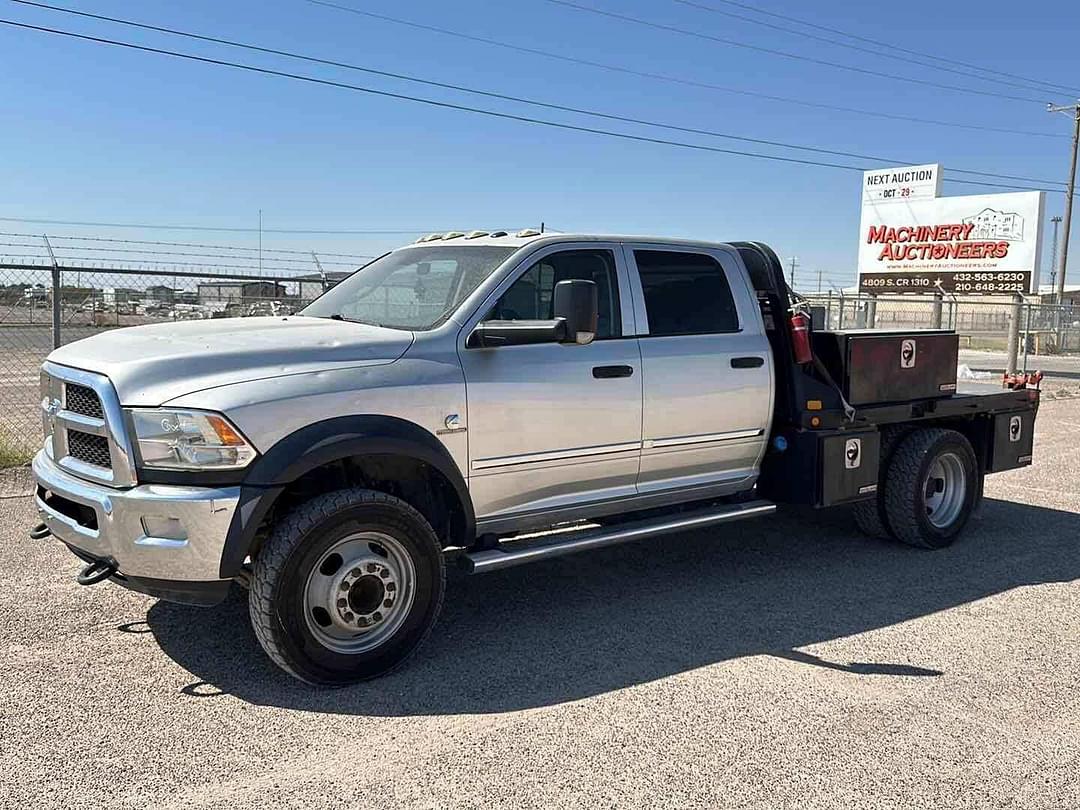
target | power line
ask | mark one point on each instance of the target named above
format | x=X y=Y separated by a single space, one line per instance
x=416 y=99
x=677 y=79
x=788 y=55
x=184 y=244
x=998 y=185
x=881 y=44
x=880 y=50
x=445 y=104
x=515 y=99
x=158 y=227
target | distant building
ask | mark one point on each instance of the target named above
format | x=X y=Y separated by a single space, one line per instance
x=238 y=291
x=315 y=284
x=1070 y=297
x=159 y=292
x=119 y=295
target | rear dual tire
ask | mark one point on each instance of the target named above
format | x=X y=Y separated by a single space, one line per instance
x=930 y=484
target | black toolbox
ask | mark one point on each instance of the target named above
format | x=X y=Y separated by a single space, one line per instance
x=1014 y=435
x=822 y=468
x=874 y=366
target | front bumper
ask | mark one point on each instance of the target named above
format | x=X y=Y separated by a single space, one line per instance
x=152 y=532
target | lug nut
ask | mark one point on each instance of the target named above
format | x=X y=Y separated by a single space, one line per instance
x=372 y=567
x=388 y=603
x=355 y=572
x=342 y=603
x=390 y=586
x=347 y=616
x=377 y=616
x=384 y=573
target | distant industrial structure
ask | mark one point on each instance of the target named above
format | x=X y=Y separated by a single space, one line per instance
x=315 y=284
x=236 y=290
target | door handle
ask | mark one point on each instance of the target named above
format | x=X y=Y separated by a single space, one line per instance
x=747 y=362
x=610 y=372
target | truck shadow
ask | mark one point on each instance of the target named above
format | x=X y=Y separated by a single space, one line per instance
x=580 y=626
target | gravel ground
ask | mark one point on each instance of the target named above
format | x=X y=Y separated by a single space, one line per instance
x=784 y=663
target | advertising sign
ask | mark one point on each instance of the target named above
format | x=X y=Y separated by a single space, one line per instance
x=986 y=244
x=902 y=184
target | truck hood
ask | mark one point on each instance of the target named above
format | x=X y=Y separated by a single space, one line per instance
x=150 y=365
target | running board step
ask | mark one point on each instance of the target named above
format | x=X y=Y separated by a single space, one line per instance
x=523 y=551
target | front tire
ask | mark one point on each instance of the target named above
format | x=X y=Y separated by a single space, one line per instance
x=346 y=587
x=931 y=488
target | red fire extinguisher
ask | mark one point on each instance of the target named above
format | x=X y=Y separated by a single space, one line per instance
x=800 y=338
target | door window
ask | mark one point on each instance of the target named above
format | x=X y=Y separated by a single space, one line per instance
x=685 y=293
x=531 y=297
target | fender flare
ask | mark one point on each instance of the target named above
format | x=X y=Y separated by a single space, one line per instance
x=319 y=444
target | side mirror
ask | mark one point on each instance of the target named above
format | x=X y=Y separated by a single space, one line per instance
x=489 y=334
x=576 y=314
x=576 y=305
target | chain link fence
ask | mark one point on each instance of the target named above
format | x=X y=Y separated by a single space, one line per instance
x=983 y=323
x=41 y=308
x=56 y=290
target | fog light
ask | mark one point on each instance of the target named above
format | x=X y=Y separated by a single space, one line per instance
x=168 y=528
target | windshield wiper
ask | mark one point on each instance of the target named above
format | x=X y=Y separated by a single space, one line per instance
x=337 y=316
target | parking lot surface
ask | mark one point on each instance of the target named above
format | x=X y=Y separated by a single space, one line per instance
x=787 y=662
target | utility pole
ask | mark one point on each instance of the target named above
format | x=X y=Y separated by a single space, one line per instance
x=819 y=282
x=322 y=273
x=57 y=293
x=794 y=264
x=1074 y=110
x=260 y=241
x=1053 y=251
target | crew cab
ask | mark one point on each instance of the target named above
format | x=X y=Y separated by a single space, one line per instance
x=491 y=399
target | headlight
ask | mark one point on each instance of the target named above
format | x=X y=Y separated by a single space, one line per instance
x=188 y=440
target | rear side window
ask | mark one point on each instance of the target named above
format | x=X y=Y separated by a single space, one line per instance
x=685 y=293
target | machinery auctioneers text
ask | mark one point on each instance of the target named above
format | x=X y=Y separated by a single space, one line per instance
x=932 y=242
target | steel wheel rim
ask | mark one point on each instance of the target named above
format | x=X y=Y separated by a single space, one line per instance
x=359 y=592
x=944 y=490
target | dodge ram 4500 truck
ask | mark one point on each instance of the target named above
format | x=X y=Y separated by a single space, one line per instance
x=459 y=398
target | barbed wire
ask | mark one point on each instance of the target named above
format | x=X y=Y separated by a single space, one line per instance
x=43 y=262
x=159 y=242
x=141 y=251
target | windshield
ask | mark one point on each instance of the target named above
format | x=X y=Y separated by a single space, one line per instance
x=414 y=289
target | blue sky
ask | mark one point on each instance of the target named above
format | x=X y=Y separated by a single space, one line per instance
x=94 y=133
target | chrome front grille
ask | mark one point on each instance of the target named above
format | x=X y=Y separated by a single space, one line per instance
x=82 y=400
x=84 y=425
x=90 y=449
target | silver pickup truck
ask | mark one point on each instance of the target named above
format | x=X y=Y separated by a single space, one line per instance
x=491 y=399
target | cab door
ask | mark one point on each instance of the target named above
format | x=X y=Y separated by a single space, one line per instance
x=554 y=426
x=707 y=371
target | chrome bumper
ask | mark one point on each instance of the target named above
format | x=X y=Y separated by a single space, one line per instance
x=194 y=521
